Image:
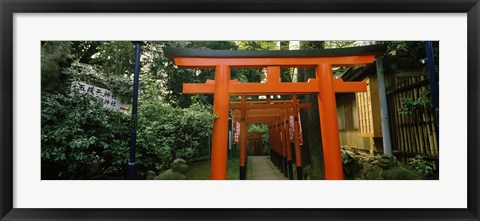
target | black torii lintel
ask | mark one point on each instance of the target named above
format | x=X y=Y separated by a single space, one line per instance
x=170 y=53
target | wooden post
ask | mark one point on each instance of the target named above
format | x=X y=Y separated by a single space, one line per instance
x=279 y=144
x=287 y=144
x=274 y=140
x=243 y=140
x=284 y=145
x=328 y=123
x=273 y=74
x=218 y=167
x=270 y=141
x=296 y=138
x=387 y=143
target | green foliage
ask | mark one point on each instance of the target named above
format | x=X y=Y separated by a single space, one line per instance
x=200 y=170
x=115 y=58
x=400 y=173
x=55 y=57
x=122 y=86
x=253 y=74
x=350 y=166
x=257 y=45
x=414 y=50
x=306 y=45
x=170 y=175
x=165 y=80
x=261 y=128
x=104 y=64
x=340 y=44
x=84 y=51
x=258 y=128
x=166 y=133
x=411 y=106
x=80 y=139
x=422 y=167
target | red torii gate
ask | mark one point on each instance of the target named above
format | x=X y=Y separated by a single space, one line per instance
x=255 y=140
x=323 y=85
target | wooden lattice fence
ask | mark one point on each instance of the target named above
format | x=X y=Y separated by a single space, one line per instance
x=413 y=133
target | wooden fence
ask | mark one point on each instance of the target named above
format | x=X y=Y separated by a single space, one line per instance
x=414 y=133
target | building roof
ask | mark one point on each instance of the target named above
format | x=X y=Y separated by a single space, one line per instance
x=358 y=73
x=389 y=63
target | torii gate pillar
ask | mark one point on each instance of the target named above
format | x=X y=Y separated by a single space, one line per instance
x=328 y=123
x=220 y=124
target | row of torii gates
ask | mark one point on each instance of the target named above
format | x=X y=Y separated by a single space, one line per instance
x=274 y=114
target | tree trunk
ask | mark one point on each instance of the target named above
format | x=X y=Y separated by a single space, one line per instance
x=285 y=74
x=312 y=153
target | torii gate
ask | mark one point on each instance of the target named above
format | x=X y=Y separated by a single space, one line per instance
x=255 y=139
x=323 y=85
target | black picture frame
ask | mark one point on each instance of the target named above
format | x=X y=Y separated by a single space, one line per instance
x=9 y=7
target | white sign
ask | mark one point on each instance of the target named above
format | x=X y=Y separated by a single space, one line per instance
x=291 y=128
x=237 y=131
x=108 y=99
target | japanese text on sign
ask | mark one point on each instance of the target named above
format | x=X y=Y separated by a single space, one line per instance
x=292 y=130
x=108 y=99
x=236 y=131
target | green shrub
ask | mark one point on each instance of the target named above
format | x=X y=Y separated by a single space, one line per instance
x=80 y=139
x=166 y=133
x=411 y=106
x=422 y=167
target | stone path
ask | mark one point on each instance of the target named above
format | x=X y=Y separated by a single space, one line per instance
x=261 y=168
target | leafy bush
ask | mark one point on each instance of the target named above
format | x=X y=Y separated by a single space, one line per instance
x=166 y=133
x=422 y=167
x=80 y=139
x=261 y=128
x=410 y=106
x=350 y=165
x=120 y=85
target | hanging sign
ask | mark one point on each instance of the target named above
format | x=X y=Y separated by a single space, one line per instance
x=291 y=128
x=236 y=133
x=300 y=135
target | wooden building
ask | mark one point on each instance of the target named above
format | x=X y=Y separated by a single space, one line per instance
x=359 y=116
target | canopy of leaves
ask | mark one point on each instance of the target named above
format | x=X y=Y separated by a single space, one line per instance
x=252 y=74
x=55 y=57
x=165 y=80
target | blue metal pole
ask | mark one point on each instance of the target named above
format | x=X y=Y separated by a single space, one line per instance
x=432 y=75
x=132 y=165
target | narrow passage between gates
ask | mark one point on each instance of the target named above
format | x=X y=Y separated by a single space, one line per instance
x=261 y=168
